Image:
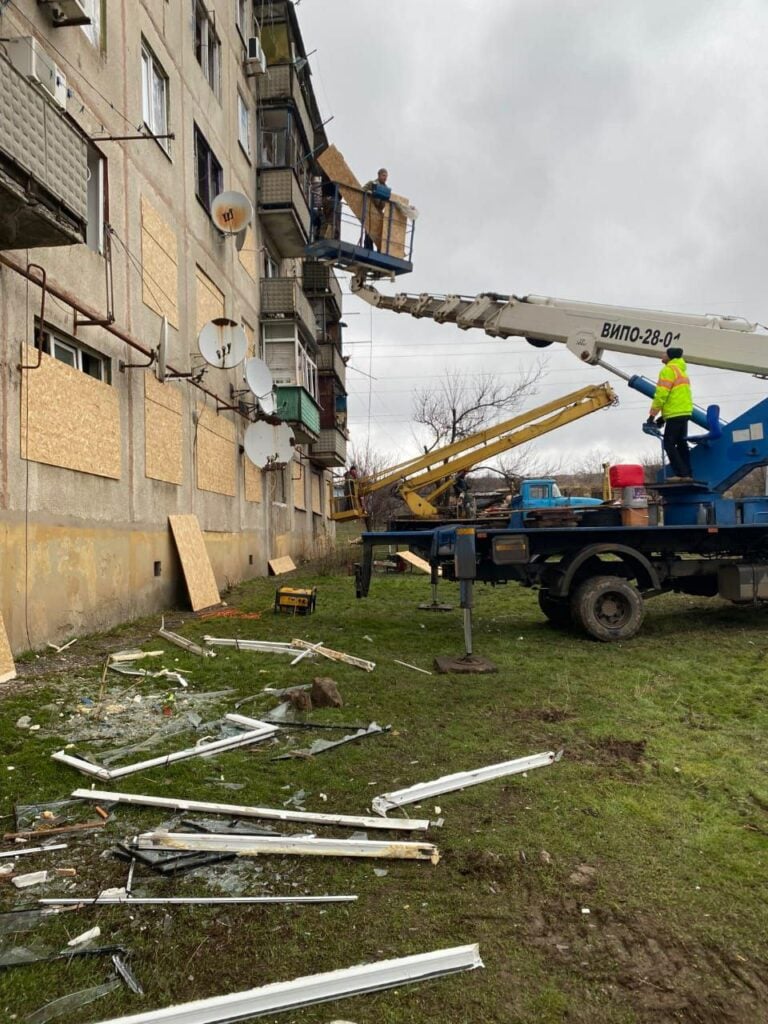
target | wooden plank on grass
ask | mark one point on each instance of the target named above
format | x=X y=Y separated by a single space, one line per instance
x=410 y=559
x=277 y=566
x=195 y=563
x=7 y=664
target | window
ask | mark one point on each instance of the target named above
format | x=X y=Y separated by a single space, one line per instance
x=154 y=95
x=271 y=265
x=243 y=124
x=241 y=16
x=93 y=31
x=207 y=46
x=94 y=232
x=208 y=174
x=67 y=350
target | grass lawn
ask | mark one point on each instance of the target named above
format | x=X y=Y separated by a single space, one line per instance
x=624 y=884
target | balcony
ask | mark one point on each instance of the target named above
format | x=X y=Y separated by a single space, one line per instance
x=43 y=169
x=299 y=409
x=330 y=360
x=331 y=448
x=321 y=282
x=282 y=298
x=284 y=210
x=282 y=84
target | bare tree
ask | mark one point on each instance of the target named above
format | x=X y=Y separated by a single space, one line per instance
x=371 y=464
x=460 y=405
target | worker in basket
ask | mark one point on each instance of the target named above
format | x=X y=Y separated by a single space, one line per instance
x=674 y=401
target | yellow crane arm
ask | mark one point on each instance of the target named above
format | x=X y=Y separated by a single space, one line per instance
x=440 y=465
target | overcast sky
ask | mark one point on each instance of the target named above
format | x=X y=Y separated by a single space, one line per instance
x=604 y=150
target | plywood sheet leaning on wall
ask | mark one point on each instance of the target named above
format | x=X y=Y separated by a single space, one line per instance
x=163 y=454
x=69 y=418
x=195 y=563
x=159 y=264
x=277 y=566
x=7 y=664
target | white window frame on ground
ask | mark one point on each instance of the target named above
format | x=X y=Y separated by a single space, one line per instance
x=214 y=176
x=207 y=47
x=243 y=125
x=154 y=95
x=60 y=346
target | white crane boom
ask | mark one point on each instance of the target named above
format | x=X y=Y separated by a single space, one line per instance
x=589 y=329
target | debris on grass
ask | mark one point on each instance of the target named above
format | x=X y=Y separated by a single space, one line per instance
x=331 y=655
x=26 y=851
x=321 y=746
x=245 y=811
x=85 y=937
x=318 y=988
x=461 y=780
x=30 y=879
x=106 y=899
x=325 y=693
x=415 y=668
x=127 y=975
x=254 y=846
x=181 y=641
x=73 y=1001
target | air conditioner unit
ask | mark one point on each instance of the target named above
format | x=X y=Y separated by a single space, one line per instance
x=255 y=63
x=31 y=61
x=68 y=12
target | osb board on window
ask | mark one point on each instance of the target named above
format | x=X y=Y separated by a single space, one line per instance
x=69 y=419
x=249 y=255
x=216 y=449
x=7 y=664
x=253 y=481
x=163 y=457
x=160 y=264
x=195 y=563
x=338 y=170
x=210 y=299
x=317 y=506
x=251 y=339
x=298 y=477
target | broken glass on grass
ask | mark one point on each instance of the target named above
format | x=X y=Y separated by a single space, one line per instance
x=321 y=746
x=73 y=1001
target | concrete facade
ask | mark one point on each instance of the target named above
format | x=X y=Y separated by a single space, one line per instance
x=91 y=468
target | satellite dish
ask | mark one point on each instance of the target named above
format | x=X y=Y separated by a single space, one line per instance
x=162 y=352
x=283 y=443
x=222 y=343
x=231 y=212
x=259 y=376
x=259 y=444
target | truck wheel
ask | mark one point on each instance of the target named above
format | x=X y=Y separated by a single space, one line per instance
x=556 y=609
x=608 y=608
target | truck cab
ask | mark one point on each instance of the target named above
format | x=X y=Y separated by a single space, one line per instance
x=541 y=493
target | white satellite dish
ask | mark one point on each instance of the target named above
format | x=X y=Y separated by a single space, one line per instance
x=283 y=443
x=259 y=444
x=231 y=212
x=258 y=376
x=161 y=355
x=222 y=343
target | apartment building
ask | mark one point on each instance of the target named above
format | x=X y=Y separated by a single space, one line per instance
x=120 y=123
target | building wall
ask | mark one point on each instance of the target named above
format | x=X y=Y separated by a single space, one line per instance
x=83 y=518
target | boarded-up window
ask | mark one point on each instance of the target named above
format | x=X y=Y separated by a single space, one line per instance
x=215 y=450
x=162 y=431
x=69 y=419
x=253 y=481
x=317 y=486
x=299 y=480
x=210 y=299
x=249 y=255
x=159 y=264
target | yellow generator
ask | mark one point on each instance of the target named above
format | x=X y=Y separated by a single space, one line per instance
x=295 y=600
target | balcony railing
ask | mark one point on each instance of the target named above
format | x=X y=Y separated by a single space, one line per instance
x=331 y=448
x=330 y=359
x=321 y=282
x=284 y=209
x=281 y=83
x=283 y=298
x=43 y=169
x=296 y=406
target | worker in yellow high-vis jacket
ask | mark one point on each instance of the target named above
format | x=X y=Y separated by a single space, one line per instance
x=673 y=400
